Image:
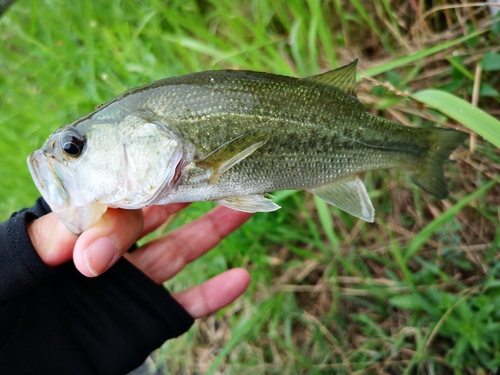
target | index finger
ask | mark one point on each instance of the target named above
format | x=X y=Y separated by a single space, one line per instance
x=155 y=216
x=164 y=257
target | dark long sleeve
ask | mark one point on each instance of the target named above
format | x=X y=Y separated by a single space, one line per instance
x=57 y=321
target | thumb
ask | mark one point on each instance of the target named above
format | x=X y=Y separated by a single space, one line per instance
x=100 y=246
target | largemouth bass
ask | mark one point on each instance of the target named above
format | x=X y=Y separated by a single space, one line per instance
x=231 y=137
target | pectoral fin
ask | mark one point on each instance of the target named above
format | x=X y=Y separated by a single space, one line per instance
x=349 y=195
x=250 y=203
x=231 y=153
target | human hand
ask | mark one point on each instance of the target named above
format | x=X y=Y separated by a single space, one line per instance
x=99 y=247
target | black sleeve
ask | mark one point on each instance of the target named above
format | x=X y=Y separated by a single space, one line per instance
x=57 y=321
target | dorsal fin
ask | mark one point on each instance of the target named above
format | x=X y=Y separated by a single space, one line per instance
x=343 y=78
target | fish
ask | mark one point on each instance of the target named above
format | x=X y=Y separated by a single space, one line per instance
x=232 y=136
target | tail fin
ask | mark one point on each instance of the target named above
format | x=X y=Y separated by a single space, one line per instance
x=429 y=176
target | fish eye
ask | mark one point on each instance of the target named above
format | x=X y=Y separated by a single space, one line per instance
x=72 y=143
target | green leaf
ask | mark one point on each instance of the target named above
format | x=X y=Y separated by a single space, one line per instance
x=388 y=102
x=406 y=301
x=496 y=25
x=485 y=90
x=492 y=283
x=452 y=86
x=491 y=61
x=463 y=112
x=473 y=337
x=458 y=64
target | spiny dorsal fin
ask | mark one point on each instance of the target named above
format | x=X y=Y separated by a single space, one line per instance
x=343 y=78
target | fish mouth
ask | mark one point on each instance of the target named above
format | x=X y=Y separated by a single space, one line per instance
x=48 y=183
x=46 y=172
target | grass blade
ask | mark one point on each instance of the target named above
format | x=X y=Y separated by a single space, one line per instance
x=463 y=112
x=246 y=326
x=326 y=222
x=382 y=68
x=422 y=236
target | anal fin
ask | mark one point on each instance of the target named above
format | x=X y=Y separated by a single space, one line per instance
x=349 y=195
x=249 y=203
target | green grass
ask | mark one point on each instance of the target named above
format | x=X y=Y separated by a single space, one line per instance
x=417 y=292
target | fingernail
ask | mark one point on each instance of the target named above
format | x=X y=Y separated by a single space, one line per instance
x=99 y=255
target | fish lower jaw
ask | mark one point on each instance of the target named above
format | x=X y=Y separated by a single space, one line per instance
x=79 y=219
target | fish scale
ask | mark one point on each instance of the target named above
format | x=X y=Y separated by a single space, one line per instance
x=232 y=136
